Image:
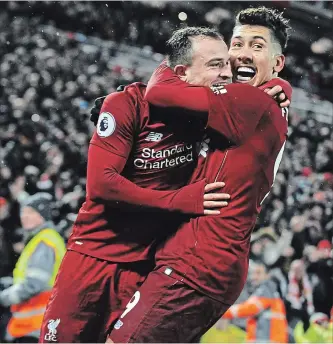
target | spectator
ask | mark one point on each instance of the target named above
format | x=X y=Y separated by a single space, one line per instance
x=264 y=309
x=300 y=295
x=321 y=266
x=35 y=271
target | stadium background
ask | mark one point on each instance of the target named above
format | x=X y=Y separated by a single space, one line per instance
x=57 y=57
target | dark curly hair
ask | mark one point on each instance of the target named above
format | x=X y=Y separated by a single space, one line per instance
x=268 y=17
x=179 y=46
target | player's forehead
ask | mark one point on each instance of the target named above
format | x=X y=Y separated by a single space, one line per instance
x=207 y=48
x=252 y=32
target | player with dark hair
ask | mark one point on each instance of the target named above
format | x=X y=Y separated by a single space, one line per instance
x=201 y=270
x=260 y=23
x=269 y=18
x=111 y=251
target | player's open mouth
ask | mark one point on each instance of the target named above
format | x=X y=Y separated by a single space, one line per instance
x=219 y=84
x=245 y=74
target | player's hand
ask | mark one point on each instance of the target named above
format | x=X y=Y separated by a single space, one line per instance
x=96 y=109
x=214 y=200
x=277 y=93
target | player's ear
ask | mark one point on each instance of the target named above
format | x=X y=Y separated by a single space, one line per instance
x=279 y=63
x=180 y=70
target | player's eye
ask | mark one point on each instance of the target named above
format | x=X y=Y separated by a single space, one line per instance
x=257 y=46
x=217 y=64
x=236 y=44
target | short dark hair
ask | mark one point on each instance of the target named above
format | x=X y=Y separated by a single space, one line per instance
x=179 y=46
x=268 y=17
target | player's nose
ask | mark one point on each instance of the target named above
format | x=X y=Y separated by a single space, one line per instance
x=245 y=56
x=226 y=73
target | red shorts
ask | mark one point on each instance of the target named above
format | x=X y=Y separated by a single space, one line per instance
x=88 y=296
x=165 y=310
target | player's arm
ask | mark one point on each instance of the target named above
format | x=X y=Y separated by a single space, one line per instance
x=234 y=111
x=252 y=307
x=165 y=89
x=108 y=153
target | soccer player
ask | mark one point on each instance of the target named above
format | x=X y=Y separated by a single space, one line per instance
x=110 y=250
x=201 y=270
x=137 y=173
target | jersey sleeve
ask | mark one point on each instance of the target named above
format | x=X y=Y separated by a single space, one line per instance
x=116 y=125
x=236 y=110
x=165 y=89
x=286 y=87
x=233 y=111
x=105 y=184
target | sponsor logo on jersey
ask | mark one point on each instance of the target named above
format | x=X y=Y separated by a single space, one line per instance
x=152 y=159
x=106 y=124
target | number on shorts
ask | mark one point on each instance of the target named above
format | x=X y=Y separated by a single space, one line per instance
x=132 y=303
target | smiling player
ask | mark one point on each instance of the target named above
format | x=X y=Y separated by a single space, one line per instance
x=201 y=270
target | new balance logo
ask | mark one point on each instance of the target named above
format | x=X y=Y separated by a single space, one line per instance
x=154 y=137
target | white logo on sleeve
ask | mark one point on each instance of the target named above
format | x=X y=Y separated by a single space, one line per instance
x=106 y=124
x=52 y=326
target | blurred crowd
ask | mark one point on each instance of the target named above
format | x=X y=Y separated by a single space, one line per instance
x=308 y=66
x=52 y=70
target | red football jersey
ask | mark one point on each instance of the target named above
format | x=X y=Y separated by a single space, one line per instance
x=120 y=221
x=211 y=253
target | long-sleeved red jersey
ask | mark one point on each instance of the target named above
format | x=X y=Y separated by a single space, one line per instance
x=133 y=163
x=211 y=253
